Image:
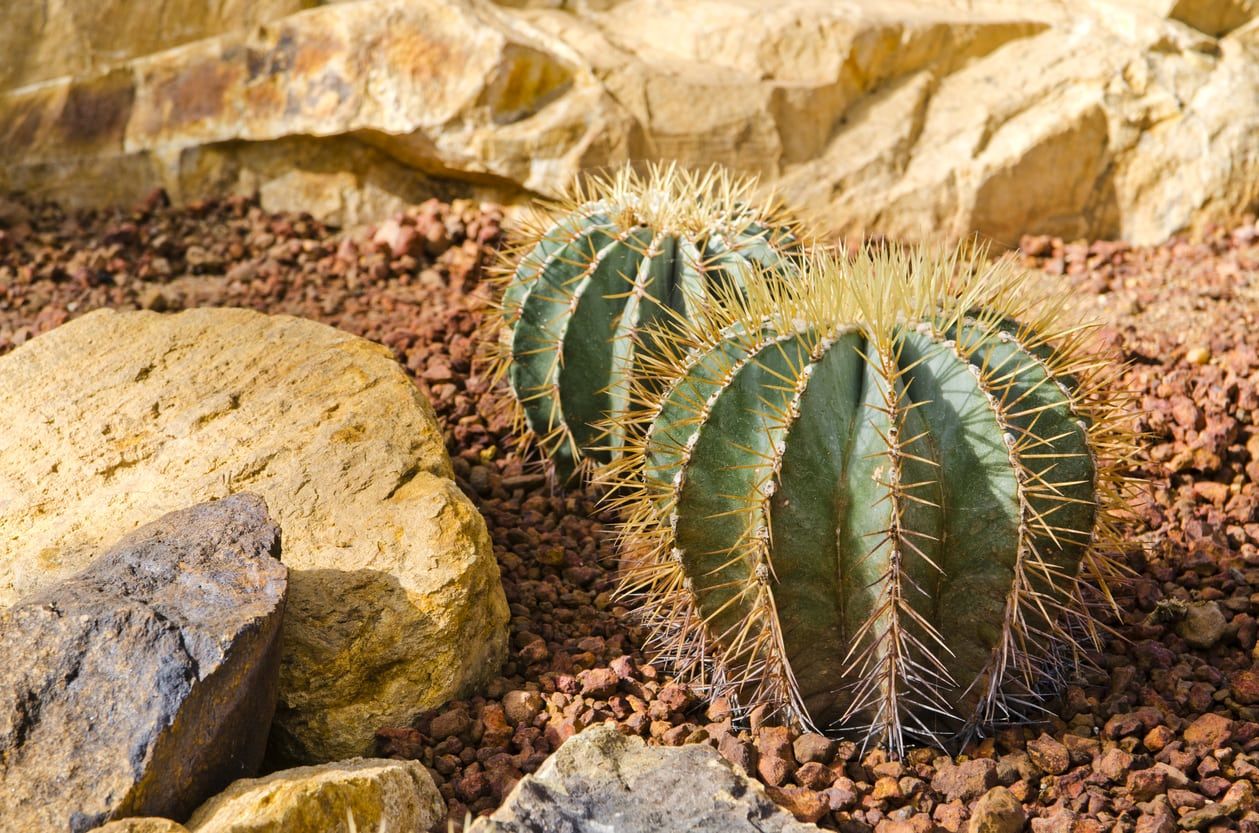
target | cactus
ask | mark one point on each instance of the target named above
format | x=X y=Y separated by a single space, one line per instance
x=877 y=503
x=620 y=255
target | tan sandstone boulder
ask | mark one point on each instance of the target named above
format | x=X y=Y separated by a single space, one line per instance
x=395 y=603
x=352 y=796
x=913 y=118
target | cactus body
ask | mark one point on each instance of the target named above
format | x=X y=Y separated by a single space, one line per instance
x=625 y=255
x=871 y=506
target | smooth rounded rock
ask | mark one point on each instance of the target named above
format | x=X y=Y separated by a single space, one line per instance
x=146 y=683
x=395 y=603
x=355 y=796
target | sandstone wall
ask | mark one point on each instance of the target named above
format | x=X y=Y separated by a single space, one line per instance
x=912 y=118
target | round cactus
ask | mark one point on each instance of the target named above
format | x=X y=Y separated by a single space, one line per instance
x=876 y=503
x=622 y=254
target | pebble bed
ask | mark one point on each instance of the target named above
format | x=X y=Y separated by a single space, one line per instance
x=1162 y=736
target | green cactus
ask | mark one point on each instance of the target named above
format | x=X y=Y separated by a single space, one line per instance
x=621 y=255
x=875 y=504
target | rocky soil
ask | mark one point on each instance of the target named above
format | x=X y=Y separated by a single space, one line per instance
x=1163 y=735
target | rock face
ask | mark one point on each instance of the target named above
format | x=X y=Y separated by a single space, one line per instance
x=147 y=824
x=345 y=797
x=600 y=780
x=912 y=118
x=147 y=682
x=395 y=603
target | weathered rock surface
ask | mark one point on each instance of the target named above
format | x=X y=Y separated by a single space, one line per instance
x=601 y=779
x=363 y=794
x=147 y=824
x=395 y=603
x=146 y=683
x=912 y=118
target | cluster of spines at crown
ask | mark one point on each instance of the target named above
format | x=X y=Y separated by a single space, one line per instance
x=873 y=491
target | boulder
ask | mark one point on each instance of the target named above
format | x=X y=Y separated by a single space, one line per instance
x=345 y=797
x=395 y=604
x=600 y=779
x=145 y=683
x=913 y=118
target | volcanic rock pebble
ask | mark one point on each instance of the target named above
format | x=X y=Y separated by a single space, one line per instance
x=145 y=683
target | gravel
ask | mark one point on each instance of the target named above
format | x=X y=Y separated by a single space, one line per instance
x=1163 y=736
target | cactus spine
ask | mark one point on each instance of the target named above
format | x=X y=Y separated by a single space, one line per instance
x=876 y=504
x=621 y=255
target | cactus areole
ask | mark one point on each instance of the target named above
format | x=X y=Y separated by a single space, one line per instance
x=623 y=255
x=873 y=506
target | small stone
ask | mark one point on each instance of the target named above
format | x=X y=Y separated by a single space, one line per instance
x=966 y=781
x=841 y=795
x=1198 y=355
x=1048 y=754
x=1113 y=764
x=1144 y=784
x=886 y=789
x=810 y=747
x=1158 y=818
x=806 y=805
x=599 y=683
x=1210 y=731
x=740 y=753
x=521 y=707
x=951 y=816
x=623 y=666
x=997 y=812
x=1240 y=796
x=814 y=775
x=1158 y=737
x=1060 y=820
x=1203 y=817
x=496 y=732
x=675 y=697
x=450 y=724
x=1185 y=799
x=1245 y=687
x=776 y=762
x=1203 y=625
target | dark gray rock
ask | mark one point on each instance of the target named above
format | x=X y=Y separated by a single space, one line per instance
x=601 y=780
x=146 y=683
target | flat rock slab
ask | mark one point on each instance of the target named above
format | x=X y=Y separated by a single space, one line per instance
x=395 y=602
x=147 y=682
x=355 y=796
x=601 y=780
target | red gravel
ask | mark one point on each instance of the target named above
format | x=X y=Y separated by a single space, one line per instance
x=1166 y=737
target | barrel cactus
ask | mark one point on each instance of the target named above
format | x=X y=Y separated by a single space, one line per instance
x=622 y=254
x=880 y=503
